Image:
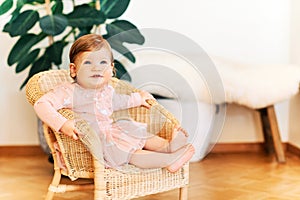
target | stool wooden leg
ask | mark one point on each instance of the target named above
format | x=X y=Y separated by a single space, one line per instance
x=275 y=134
x=271 y=132
x=268 y=144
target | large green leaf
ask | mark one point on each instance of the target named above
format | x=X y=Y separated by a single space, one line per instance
x=21 y=3
x=23 y=46
x=57 y=7
x=27 y=60
x=85 y=16
x=53 y=24
x=121 y=71
x=6 y=6
x=22 y=23
x=84 y=31
x=54 y=52
x=15 y=14
x=118 y=46
x=125 y=31
x=41 y=64
x=114 y=8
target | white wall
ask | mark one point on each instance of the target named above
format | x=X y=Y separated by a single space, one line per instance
x=294 y=32
x=254 y=31
x=18 y=122
x=294 y=125
x=250 y=31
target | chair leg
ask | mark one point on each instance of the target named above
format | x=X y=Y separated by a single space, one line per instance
x=55 y=182
x=271 y=132
x=99 y=182
x=183 y=193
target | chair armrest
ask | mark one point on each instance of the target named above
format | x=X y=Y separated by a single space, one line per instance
x=76 y=154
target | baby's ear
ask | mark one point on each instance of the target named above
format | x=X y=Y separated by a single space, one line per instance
x=73 y=70
x=113 y=69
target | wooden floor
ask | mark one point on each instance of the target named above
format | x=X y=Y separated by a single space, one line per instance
x=238 y=176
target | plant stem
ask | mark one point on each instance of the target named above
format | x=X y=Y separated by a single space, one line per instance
x=48 y=11
x=98 y=7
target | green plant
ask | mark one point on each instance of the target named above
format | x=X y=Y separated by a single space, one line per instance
x=33 y=21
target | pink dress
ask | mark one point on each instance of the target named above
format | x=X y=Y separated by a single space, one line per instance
x=119 y=139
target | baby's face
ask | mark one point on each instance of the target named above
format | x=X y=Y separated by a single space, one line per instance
x=93 y=69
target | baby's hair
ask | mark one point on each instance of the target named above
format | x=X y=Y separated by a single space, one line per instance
x=89 y=42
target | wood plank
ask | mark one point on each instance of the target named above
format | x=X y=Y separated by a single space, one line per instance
x=22 y=150
x=238 y=147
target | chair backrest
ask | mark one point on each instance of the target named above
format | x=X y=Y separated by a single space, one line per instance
x=42 y=82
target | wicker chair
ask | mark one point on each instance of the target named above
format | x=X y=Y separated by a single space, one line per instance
x=108 y=183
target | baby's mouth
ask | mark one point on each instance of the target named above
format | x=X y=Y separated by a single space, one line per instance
x=97 y=76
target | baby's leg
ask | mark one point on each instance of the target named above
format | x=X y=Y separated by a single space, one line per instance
x=158 y=144
x=173 y=161
x=189 y=151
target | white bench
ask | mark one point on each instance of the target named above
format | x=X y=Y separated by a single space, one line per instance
x=259 y=87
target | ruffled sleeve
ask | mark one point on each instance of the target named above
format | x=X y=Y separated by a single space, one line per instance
x=123 y=101
x=48 y=105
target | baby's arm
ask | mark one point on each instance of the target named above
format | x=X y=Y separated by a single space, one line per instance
x=47 y=112
x=145 y=96
x=46 y=109
x=69 y=129
x=121 y=101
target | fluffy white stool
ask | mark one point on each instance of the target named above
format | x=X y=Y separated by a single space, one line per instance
x=259 y=87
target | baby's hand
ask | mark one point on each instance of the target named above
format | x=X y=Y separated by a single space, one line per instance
x=145 y=96
x=69 y=129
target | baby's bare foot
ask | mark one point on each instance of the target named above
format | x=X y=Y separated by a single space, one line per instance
x=183 y=155
x=179 y=139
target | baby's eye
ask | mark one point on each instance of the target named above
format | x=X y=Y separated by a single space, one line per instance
x=103 y=62
x=86 y=62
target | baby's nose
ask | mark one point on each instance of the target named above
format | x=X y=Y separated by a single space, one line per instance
x=100 y=68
